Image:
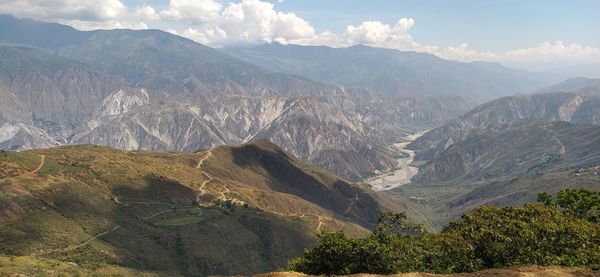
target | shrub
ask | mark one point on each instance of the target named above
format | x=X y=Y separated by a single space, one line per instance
x=562 y=231
x=582 y=203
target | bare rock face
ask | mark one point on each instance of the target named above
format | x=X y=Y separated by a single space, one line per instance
x=154 y=128
x=52 y=100
x=122 y=101
x=513 y=136
x=321 y=133
x=18 y=135
x=152 y=90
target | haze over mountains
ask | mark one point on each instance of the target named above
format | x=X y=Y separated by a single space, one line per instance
x=395 y=72
x=195 y=85
x=156 y=91
x=506 y=151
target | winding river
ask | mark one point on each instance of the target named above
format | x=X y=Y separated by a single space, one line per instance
x=401 y=175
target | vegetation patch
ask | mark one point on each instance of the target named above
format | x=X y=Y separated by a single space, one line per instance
x=52 y=167
x=184 y=217
x=558 y=231
x=28 y=266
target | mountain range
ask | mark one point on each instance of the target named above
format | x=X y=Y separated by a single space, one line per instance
x=156 y=91
x=143 y=150
x=152 y=90
x=506 y=151
x=395 y=72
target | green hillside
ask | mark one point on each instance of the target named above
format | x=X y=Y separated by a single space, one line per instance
x=222 y=211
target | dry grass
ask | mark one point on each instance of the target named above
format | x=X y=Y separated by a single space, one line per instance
x=521 y=271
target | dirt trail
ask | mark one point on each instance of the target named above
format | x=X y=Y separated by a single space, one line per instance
x=167 y=211
x=203 y=159
x=302 y=215
x=354 y=201
x=39 y=166
x=73 y=247
x=561 y=146
x=320 y=223
x=210 y=178
x=30 y=173
x=226 y=190
x=116 y=200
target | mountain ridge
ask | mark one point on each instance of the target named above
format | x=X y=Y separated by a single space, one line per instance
x=163 y=92
x=394 y=72
x=227 y=210
x=506 y=151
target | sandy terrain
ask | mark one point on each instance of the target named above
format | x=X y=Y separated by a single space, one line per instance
x=402 y=175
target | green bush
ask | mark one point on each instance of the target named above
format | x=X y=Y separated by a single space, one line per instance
x=582 y=203
x=533 y=234
x=335 y=253
x=562 y=231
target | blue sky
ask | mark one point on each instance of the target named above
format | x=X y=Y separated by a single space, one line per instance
x=533 y=34
x=499 y=25
x=494 y=25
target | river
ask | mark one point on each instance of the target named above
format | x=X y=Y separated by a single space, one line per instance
x=403 y=173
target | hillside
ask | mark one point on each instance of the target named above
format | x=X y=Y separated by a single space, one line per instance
x=522 y=128
x=395 y=72
x=526 y=147
x=575 y=85
x=15 y=266
x=46 y=95
x=229 y=210
x=152 y=90
x=506 y=151
x=571 y=101
x=521 y=271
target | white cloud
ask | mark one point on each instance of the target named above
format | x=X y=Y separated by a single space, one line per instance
x=554 y=52
x=85 y=10
x=251 y=22
x=397 y=36
x=192 y=11
x=81 y=14
x=257 y=21
x=462 y=53
x=107 y=25
x=146 y=12
x=377 y=33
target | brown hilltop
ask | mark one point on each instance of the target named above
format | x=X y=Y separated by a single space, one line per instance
x=229 y=210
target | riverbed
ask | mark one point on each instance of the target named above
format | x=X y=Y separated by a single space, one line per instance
x=403 y=173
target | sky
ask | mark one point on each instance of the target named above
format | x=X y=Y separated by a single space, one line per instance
x=531 y=34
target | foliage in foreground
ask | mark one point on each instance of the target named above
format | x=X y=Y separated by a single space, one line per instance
x=562 y=231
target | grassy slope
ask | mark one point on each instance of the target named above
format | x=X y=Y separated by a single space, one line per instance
x=13 y=266
x=161 y=211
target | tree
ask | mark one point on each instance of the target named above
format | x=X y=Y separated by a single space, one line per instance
x=391 y=223
x=333 y=254
x=532 y=234
x=562 y=231
x=582 y=203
